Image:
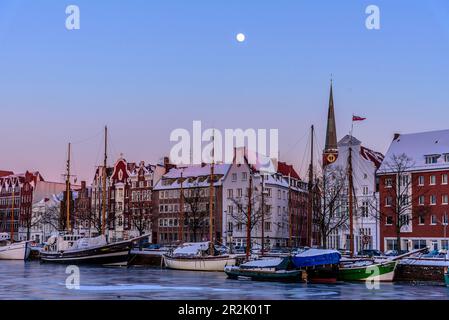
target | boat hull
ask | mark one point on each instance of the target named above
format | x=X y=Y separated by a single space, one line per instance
x=376 y=272
x=260 y=275
x=111 y=254
x=15 y=251
x=199 y=263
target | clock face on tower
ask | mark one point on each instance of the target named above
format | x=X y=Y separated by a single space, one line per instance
x=330 y=158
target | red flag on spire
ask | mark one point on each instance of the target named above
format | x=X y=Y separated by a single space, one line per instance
x=357 y=118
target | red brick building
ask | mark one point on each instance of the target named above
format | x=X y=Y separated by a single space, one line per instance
x=422 y=183
x=22 y=190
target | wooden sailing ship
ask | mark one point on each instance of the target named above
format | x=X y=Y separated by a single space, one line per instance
x=68 y=248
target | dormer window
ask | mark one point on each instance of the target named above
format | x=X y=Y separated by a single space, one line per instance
x=432 y=159
x=446 y=157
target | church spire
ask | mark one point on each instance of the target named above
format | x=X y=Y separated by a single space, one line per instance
x=331 y=133
x=331 y=148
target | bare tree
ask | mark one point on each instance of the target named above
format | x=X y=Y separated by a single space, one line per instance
x=139 y=220
x=259 y=211
x=399 y=199
x=196 y=211
x=330 y=202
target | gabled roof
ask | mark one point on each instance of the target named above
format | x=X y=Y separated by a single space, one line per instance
x=287 y=170
x=419 y=145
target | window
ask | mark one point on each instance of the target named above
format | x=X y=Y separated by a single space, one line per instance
x=234 y=177
x=419 y=244
x=268 y=191
x=421 y=180
x=421 y=200
x=433 y=180
x=230 y=209
x=433 y=200
x=432 y=159
x=389 y=221
x=388 y=201
x=421 y=220
x=365 y=190
x=445 y=199
x=267 y=226
x=445 y=219
x=279 y=194
x=365 y=209
x=388 y=183
x=445 y=244
x=433 y=219
x=230 y=193
x=444 y=179
x=446 y=157
x=244 y=176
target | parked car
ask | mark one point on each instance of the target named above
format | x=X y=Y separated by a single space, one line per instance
x=394 y=253
x=370 y=253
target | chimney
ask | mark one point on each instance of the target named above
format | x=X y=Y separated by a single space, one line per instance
x=396 y=136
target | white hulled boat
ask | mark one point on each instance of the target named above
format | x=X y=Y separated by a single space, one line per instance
x=13 y=250
x=195 y=256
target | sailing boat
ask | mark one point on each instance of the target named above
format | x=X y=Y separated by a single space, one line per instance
x=13 y=250
x=362 y=269
x=10 y=250
x=68 y=248
x=201 y=256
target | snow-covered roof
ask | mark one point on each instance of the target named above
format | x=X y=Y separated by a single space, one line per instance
x=192 y=176
x=417 y=146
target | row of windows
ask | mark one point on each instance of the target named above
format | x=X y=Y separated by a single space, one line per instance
x=244 y=176
x=405 y=220
x=144 y=195
x=188 y=193
x=404 y=180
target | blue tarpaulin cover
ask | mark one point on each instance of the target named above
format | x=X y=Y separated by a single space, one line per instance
x=316 y=257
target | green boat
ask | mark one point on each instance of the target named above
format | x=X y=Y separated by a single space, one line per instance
x=367 y=270
x=278 y=269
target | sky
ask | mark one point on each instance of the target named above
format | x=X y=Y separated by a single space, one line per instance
x=147 y=67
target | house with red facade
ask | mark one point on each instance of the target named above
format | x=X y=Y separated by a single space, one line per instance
x=18 y=193
x=414 y=192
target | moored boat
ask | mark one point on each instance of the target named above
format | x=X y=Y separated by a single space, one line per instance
x=367 y=270
x=195 y=256
x=274 y=269
x=321 y=265
x=69 y=249
x=13 y=250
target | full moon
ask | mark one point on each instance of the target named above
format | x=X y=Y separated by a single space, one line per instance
x=240 y=37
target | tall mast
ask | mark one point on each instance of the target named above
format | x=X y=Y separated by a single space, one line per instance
x=181 y=212
x=67 y=203
x=103 y=211
x=211 y=199
x=263 y=213
x=12 y=211
x=290 y=211
x=248 y=217
x=351 y=201
x=310 y=189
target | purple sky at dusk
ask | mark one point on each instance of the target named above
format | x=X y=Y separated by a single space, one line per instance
x=145 y=68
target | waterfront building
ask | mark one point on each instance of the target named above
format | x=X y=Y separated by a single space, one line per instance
x=128 y=198
x=22 y=190
x=416 y=170
x=278 y=199
x=178 y=218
